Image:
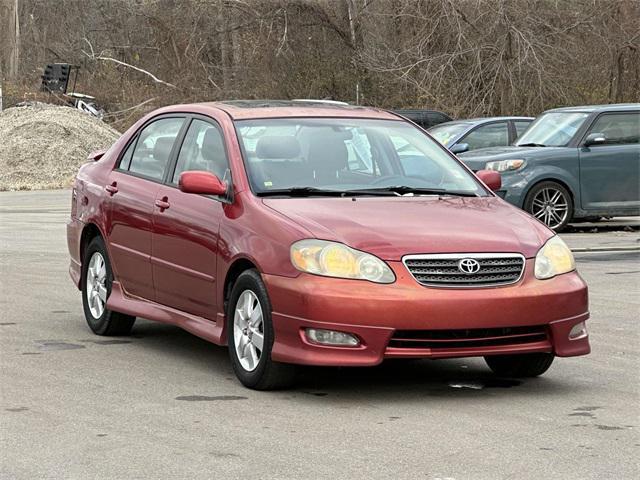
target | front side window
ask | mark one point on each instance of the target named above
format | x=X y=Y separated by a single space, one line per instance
x=153 y=148
x=618 y=128
x=553 y=129
x=492 y=135
x=341 y=155
x=202 y=149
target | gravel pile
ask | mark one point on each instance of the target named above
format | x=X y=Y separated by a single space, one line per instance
x=42 y=146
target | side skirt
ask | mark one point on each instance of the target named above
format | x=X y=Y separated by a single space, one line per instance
x=120 y=302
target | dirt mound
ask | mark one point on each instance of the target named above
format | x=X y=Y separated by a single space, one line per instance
x=42 y=146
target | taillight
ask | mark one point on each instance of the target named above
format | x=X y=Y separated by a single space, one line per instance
x=74 y=202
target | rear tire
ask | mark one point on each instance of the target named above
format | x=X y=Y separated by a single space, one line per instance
x=97 y=278
x=250 y=336
x=524 y=365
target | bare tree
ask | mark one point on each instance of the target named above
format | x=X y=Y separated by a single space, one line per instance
x=467 y=57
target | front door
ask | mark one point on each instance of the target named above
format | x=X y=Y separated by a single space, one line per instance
x=609 y=172
x=185 y=235
x=133 y=186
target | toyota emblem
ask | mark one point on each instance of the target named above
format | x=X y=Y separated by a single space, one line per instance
x=468 y=266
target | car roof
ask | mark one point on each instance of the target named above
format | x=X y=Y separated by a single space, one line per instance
x=252 y=109
x=480 y=120
x=597 y=108
x=417 y=110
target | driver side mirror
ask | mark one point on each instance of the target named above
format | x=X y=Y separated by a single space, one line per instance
x=595 y=139
x=460 y=148
x=490 y=178
x=201 y=182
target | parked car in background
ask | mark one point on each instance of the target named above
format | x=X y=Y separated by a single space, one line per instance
x=291 y=233
x=572 y=162
x=463 y=135
x=425 y=118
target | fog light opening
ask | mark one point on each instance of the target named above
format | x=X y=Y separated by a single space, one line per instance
x=331 y=337
x=578 y=331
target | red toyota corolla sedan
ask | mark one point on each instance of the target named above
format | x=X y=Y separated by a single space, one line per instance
x=317 y=234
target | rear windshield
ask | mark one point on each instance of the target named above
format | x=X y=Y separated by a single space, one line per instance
x=347 y=154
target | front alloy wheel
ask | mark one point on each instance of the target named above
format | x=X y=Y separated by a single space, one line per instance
x=250 y=335
x=248 y=330
x=550 y=203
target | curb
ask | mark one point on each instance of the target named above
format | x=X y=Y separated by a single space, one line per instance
x=627 y=248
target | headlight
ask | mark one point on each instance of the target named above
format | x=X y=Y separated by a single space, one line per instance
x=553 y=259
x=332 y=259
x=505 y=165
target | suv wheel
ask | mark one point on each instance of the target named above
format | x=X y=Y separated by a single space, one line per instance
x=550 y=203
x=250 y=336
x=97 y=277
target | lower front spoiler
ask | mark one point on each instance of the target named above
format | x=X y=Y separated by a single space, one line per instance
x=292 y=346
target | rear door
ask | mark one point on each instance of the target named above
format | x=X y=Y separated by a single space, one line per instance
x=186 y=226
x=609 y=172
x=133 y=186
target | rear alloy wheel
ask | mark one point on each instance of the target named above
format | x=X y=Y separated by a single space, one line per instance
x=523 y=365
x=250 y=336
x=96 y=288
x=550 y=203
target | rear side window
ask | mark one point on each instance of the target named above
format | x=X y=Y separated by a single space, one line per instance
x=125 y=162
x=521 y=126
x=492 y=135
x=153 y=148
x=202 y=149
x=435 y=118
x=618 y=128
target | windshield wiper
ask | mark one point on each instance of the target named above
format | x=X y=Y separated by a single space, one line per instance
x=531 y=145
x=404 y=189
x=313 y=191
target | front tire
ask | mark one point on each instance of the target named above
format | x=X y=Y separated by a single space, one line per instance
x=250 y=336
x=550 y=203
x=97 y=278
x=523 y=365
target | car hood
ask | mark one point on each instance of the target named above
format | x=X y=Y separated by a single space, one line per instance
x=391 y=227
x=477 y=159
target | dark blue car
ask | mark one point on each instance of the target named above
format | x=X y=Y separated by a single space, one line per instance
x=464 y=135
x=573 y=162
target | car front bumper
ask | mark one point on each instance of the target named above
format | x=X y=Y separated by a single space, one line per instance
x=514 y=188
x=377 y=314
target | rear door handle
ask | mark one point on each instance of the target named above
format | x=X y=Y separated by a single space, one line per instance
x=163 y=204
x=112 y=189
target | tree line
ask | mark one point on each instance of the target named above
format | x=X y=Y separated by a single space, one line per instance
x=464 y=57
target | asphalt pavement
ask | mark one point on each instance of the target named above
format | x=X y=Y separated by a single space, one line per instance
x=165 y=404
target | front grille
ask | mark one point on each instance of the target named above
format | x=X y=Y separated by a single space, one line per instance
x=467 y=338
x=444 y=270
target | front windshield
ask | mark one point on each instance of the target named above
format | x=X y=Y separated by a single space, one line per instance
x=553 y=129
x=348 y=154
x=446 y=133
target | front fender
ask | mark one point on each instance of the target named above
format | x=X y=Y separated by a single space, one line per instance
x=569 y=179
x=516 y=185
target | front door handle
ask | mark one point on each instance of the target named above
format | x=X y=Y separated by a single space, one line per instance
x=112 y=189
x=163 y=204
